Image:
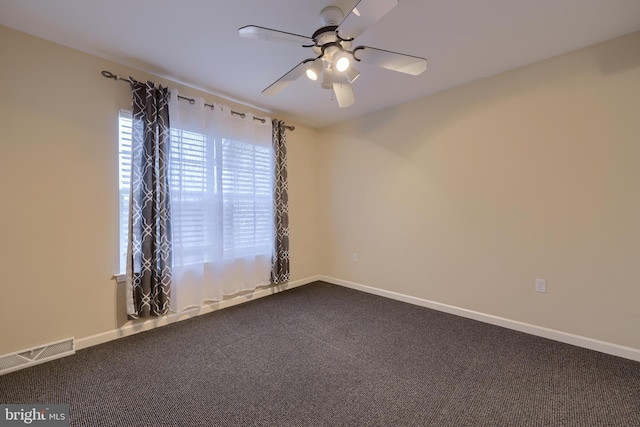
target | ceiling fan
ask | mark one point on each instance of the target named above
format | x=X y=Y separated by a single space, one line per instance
x=332 y=44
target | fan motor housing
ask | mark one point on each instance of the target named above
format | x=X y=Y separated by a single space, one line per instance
x=326 y=37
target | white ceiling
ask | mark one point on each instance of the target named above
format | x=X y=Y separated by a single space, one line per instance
x=196 y=42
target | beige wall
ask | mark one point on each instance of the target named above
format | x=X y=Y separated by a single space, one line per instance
x=465 y=197
x=58 y=215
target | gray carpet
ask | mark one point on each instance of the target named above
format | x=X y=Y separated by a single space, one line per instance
x=323 y=355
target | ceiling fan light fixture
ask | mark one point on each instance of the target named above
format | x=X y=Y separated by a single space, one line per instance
x=334 y=55
x=314 y=70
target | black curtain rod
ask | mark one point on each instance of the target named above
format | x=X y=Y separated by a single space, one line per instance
x=110 y=75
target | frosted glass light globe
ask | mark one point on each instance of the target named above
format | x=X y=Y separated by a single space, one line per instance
x=342 y=64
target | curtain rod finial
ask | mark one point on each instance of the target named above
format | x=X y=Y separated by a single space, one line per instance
x=109 y=75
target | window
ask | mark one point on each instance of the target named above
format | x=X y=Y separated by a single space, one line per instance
x=124 y=184
x=217 y=187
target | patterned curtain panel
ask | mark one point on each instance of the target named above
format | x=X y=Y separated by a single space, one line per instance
x=149 y=251
x=280 y=264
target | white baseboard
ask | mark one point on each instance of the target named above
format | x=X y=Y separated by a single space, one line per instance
x=577 y=340
x=135 y=327
x=568 y=338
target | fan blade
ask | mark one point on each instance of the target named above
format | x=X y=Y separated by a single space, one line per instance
x=344 y=93
x=365 y=14
x=390 y=60
x=286 y=80
x=261 y=33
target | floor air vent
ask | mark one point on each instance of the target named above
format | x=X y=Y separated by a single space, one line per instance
x=33 y=356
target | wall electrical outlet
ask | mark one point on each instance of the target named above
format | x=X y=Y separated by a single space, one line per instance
x=354 y=257
x=541 y=285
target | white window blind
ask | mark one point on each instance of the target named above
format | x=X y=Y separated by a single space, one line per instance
x=223 y=181
x=247 y=200
x=191 y=183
